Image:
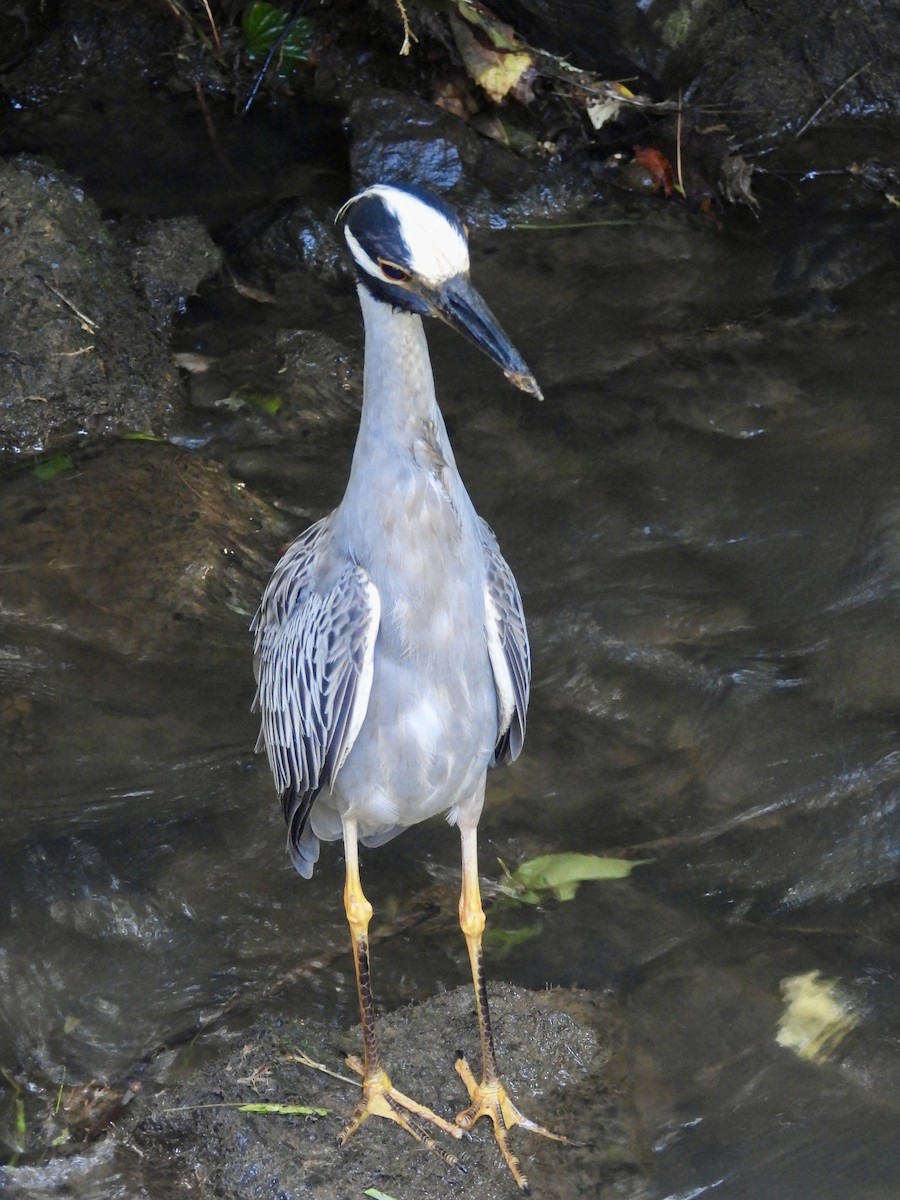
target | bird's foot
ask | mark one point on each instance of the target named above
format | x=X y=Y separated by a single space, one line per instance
x=490 y=1099
x=381 y=1099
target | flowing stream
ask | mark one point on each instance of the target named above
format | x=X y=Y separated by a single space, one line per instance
x=704 y=519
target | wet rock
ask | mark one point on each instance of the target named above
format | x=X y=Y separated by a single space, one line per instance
x=297 y=233
x=92 y=42
x=402 y=138
x=559 y=1054
x=323 y=379
x=82 y=356
x=140 y=550
x=169 y=261
x=773 y=64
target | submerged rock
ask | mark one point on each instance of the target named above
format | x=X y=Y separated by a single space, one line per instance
x=141 y=550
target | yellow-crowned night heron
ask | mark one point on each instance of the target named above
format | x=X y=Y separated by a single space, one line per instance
x=391 y=653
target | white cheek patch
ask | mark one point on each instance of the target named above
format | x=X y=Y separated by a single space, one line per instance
x=437 y=250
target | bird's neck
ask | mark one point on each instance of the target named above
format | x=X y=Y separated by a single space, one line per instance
x=398 y=393
x=402 y=444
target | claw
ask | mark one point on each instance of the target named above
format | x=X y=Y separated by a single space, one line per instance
x=381 y=1099
x=489 y=1098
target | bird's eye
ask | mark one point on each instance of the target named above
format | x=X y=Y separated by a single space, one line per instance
x=391 y=271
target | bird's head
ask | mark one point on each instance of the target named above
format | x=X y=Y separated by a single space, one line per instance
x=411 y=251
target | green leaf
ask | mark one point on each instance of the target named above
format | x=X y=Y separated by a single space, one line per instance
x=264 y=24
x=268 y=402
x=284 y=1110
x=561 y=874
x=52 y=466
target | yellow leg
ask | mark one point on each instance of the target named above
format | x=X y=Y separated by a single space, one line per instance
x=379 y=1096
x=489 y=1098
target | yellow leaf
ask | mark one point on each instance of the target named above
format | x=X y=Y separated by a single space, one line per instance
x=817 y=1018
x=497 y=71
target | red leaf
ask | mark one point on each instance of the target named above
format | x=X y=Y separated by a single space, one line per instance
x=658 y=165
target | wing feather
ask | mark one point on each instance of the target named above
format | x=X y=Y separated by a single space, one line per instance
x=313 y=657
x=508 y=647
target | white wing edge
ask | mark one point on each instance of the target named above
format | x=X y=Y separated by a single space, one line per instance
x=506 y=696
x=364 y=683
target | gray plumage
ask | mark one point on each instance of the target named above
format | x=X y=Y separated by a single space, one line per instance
x=391 y=653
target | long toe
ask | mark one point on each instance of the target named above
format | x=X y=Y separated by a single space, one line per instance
x=489 y=1098
x=381 y=1099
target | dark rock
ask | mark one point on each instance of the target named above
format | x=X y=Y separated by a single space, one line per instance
x=81 y=353
x=397 y=137
x=771 y=65
x=402 y=139
x=22 y=24
x=609 y=38
x=558 y=1053
x=169 y=261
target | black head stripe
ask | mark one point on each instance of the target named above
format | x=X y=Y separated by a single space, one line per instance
x=377 y=230
x=371 y=221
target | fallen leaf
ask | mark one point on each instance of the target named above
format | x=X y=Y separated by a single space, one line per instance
x=189 y=360
x=658 y=165
x=817 y=1018
x=500 y=35
x=600 y=110
x=561 y=875
x=736 y=176
x=49 y=467
x=502 y=941
x=497 y=71
x=252 y=293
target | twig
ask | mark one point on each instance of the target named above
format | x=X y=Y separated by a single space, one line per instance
x=678 y=175
x=86 y=323
x=305 y=1061
x=555 y=226
x=408 y=36
x=828 y=99
x=212 y=24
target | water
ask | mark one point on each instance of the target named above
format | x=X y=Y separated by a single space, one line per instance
x=704 y=518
